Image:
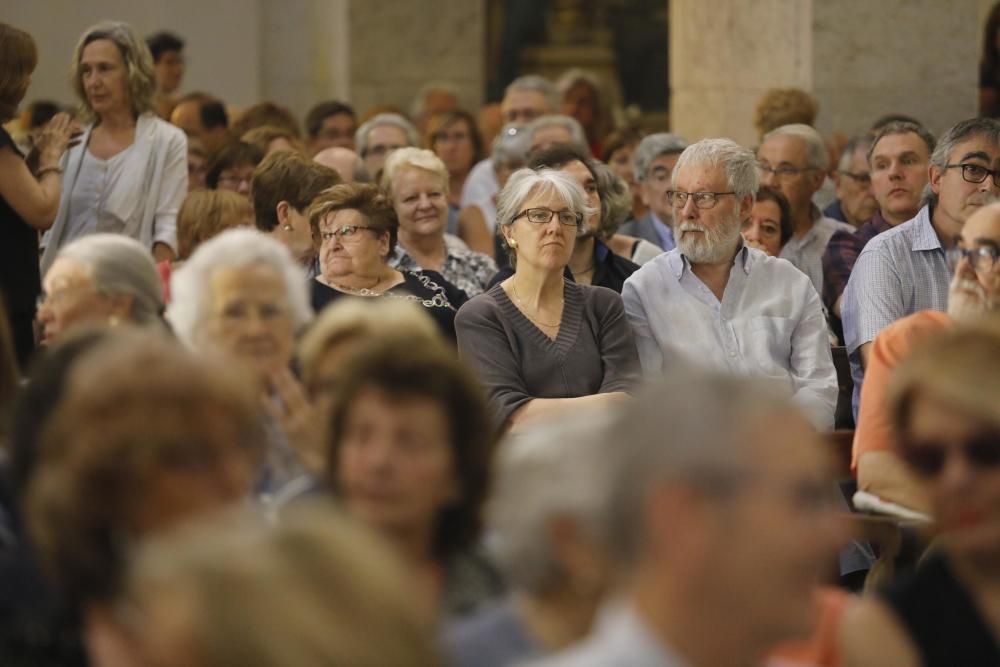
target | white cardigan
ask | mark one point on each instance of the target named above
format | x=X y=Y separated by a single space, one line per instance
x=147 y=197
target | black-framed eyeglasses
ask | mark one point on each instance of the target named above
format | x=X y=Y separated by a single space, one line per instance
x=782 y=172
x=982 y=258
x=542 y=216
x=859 y=177
x=679 y=199
x=981 y=452
x=976 y=173
x=327 y=235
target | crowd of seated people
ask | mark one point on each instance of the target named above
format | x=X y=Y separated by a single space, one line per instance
x=516 y=387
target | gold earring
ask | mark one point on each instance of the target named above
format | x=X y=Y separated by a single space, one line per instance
x=286 y=228
x=512 y=243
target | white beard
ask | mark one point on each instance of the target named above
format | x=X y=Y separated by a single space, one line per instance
x=967 y=300
x=713 y=246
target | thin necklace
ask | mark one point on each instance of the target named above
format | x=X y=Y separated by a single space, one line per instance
x=524 y=308
x=588 y=270
x=363 y=291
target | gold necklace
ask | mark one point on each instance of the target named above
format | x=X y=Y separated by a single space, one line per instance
x=524 y=309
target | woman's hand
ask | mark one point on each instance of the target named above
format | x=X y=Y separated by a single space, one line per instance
x=55 y=138
x=298 y=417
x=758 y=246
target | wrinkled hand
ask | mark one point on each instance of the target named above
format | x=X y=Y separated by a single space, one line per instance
x=299 y=419
x=55 y=138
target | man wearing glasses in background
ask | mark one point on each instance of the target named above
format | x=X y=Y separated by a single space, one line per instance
x=794 y=160
x=903 y=270
x=715 y=302
x=855 y=203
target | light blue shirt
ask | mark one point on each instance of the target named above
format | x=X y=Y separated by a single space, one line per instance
x=898 y=273
x=769 y=324
x=620 y=639
x=663 y=231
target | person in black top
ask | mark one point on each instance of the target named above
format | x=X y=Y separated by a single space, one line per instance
x=28 y=201
x=592 y=262
x=945 y=409
x=357 y=227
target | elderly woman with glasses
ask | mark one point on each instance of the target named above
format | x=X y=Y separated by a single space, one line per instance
x=944 y=408
x=539 y=341
x=357 y=227
x=128 y=175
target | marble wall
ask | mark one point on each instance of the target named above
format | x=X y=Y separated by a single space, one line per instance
x=860 y=58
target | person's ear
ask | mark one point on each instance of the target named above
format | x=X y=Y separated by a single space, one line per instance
x=120 y=308
x=934 y=176
x=282 y=213
x=746 y=205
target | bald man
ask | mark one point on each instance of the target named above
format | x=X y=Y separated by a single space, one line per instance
x=345 y=162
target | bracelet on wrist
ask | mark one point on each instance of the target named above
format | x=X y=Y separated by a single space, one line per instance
x=48 y=170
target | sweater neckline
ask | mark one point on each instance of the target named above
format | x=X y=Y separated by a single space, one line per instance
x=569 y=325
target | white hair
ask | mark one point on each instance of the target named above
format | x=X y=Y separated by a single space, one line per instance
x=393 y=119
x=510 y=147
x=555 y=470
x=739 y=163
x=652 y=147
x=816 y=154
x=232 y=249
x=569 y=123
x=413 y=158
x=121 y=265
x=525 y=183
x=536 y=84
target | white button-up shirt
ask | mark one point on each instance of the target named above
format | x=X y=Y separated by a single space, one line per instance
x=769 y=323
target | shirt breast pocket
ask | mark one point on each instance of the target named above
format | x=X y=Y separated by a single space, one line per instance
x=770 y=342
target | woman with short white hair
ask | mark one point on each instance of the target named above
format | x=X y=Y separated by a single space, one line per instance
x=242 y=295
x=540 y=342
x=417 y=182
x=99 y=279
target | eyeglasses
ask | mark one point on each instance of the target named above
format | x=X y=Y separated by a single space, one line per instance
x=542 y=216
x=343 y=232
x=974 y=173
x=982 y=259
x=860 y=177
x=380 y=149
x=781 y=173
x=234 y=181
x=679 y=199
x=981 y=452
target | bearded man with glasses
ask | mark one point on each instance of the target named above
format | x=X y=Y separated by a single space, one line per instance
x=716 y=302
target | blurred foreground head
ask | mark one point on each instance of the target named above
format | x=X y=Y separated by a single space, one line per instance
x=721 y=512
x=315 y=589
x=145 y=436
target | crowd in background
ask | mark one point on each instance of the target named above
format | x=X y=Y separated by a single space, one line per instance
x=434 y=387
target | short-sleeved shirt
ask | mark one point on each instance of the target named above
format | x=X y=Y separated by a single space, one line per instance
x=891 y=346
x=899 y=272
x=516 y=361
x=806 y=251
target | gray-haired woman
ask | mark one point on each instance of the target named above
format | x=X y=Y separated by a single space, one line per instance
x=128 y=174
x=539 y=342
x=99 y=279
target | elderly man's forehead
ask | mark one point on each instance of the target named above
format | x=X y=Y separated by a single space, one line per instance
x=979 y=147
x=700 y=172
